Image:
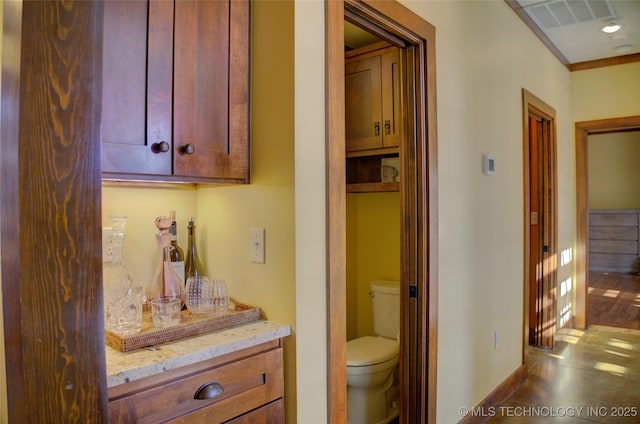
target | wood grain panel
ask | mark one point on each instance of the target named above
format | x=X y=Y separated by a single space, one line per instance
x=613 y=246
x=602 y=232
x=611 y=261
x=247 y=384
x=55 y=239
x=613 y=219
x=613 y=240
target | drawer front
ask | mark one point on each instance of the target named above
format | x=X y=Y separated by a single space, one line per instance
x=245 y=385
x=272 y=413
x=614 y=219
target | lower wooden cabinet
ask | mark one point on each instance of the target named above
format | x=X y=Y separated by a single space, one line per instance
x=242 y=387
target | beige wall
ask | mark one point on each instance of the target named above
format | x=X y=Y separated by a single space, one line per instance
x=614 y=171
x=602 y=93
x=373 y=245
x=310 y=212
x=224 y=214
x=480 y=76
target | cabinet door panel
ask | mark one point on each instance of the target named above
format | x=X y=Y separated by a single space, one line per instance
x=133 y=29
x=391 y=98
x=363 y=115
x=202 y=90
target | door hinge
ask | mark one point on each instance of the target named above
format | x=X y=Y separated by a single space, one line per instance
x=413 y=291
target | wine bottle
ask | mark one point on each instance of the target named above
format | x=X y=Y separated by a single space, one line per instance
x=192 y=266
x=176 y=254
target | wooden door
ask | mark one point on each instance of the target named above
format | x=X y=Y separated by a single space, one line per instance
x=137 y=87
x=535 y=245
x=211 y=77
x=540 y=222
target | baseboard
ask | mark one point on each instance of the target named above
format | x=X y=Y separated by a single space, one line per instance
x=496 y=398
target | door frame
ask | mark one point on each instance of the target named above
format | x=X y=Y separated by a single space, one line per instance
x=582 y=131
x=533 y=106
x=418 y=194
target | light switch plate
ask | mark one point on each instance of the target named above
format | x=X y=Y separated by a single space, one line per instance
x=107 y=244
x=257 y=245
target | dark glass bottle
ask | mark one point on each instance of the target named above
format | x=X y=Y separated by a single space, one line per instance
x=192 y=265
x=176 y=254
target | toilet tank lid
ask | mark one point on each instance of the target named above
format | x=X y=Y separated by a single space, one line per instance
x=370 y=350
x=386 y=286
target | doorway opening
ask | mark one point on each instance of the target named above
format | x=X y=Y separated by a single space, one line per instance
x=583 y=129
x=540 y=217
x=418 y=199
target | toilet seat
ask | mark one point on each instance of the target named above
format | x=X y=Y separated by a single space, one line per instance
x=372 y=353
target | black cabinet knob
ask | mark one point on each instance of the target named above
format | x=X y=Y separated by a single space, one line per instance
x=188 y=149
x=162 y=147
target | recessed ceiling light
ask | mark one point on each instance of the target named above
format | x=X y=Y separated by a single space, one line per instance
x=611 y=27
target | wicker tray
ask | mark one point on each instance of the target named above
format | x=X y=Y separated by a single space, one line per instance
x=190 y=325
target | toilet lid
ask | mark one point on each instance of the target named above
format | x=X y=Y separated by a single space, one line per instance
x=370 y=350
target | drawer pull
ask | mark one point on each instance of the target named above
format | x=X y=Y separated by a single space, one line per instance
x=208 y=391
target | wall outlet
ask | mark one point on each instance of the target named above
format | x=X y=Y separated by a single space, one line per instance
x=257 y=245
x=107 y=244
x=496 y=339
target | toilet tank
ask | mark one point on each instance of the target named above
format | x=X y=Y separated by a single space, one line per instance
x=386 y=308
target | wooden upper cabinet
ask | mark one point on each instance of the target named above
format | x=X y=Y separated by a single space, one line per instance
x=373 y=116
x=176 y=90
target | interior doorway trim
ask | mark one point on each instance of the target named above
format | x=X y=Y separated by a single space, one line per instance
x=583 y=130
x=418 y=194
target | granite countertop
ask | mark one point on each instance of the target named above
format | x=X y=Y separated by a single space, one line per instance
x=123 y=367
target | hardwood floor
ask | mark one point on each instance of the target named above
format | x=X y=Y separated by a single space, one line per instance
x=614 y=300
x=590 y=376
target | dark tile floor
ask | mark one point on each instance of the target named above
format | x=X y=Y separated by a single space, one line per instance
x=590 y=376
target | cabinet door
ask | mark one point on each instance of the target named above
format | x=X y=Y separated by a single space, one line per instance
x=363 y=113
x=137 y=87
x=211 y=89
x=391 y=98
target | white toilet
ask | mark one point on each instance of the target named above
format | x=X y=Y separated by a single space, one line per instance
x=372 y=395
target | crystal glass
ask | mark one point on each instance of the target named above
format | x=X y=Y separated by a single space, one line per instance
x=165 y=311
x=199 y=295
x=122 y=299
x=220 y=297
x=123 y=310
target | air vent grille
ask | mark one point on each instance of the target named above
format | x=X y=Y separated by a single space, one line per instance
x=557 y=13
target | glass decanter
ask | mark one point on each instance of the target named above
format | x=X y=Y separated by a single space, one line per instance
x=165 y=281
x=122 y=299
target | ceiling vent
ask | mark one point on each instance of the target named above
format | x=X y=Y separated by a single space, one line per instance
x=557 y=13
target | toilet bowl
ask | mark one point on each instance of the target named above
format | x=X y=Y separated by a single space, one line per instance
x=371 y=362
x=372 y=393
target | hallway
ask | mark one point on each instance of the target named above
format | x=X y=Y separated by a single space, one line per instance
x=590 y=376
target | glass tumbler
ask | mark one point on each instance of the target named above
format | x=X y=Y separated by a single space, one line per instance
x=220 y=297
x=199 y=295
x=123 y=310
